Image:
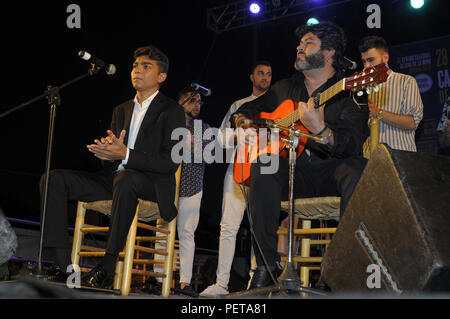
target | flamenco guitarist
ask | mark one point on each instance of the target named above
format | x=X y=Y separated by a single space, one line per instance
x=331 y=169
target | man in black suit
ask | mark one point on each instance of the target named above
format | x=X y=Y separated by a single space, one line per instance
x=137 y=164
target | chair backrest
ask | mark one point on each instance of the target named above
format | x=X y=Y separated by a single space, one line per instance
x=177 y=181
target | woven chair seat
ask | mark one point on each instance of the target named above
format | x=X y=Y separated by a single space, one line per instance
x=148 y=211
x=324 y=208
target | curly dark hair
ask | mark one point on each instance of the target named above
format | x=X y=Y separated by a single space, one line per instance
x=331 y=35
x=156 y=54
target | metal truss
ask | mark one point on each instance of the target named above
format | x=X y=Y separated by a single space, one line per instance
x=237 y=14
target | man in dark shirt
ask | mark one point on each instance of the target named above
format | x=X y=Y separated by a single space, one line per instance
x=331 y=169
x=191 y=184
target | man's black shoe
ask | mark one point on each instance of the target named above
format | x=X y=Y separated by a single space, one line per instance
x=187 y=291
x=97 y=278
x=150 y=286
x=55 y=273
x=261 y=277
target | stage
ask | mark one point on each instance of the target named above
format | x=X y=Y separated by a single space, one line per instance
x=391 y=246
x=29 y=287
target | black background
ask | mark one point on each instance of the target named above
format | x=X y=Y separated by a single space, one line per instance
x=38 y=49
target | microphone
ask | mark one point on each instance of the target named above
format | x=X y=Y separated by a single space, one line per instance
x=201 y=89
x=110 y=69
x=351 y=65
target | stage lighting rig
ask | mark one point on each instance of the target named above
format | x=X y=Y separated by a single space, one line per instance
x=255 y=8
x=239 y=14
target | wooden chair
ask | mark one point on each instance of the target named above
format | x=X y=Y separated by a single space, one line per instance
x=308 y=209
x=146 y=211
x=322 y=209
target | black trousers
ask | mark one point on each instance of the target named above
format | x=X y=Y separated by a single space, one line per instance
x=313 y=177
x=123 y=187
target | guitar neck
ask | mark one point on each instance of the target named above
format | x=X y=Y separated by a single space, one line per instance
x=321 y=99
x=330 y=92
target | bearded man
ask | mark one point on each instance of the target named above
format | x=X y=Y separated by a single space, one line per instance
x=331 y=169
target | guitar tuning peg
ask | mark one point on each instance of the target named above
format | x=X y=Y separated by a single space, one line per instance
x=376 y=88
x=368 y=90
x=360 y=93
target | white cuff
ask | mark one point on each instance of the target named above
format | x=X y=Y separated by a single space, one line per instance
x=125 y=161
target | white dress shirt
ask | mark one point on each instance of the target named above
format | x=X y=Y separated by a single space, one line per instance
x=139 y=112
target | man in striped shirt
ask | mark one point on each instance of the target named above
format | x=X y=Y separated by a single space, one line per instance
x=397 y=103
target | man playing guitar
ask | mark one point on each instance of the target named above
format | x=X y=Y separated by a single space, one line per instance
x=331 y=169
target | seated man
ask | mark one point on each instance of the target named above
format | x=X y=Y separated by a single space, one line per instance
x=137 y=164
x=330 y=169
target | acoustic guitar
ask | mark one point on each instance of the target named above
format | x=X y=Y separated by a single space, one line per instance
x=287 y=115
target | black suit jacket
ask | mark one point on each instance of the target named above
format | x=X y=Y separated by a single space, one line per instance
x=152 y=150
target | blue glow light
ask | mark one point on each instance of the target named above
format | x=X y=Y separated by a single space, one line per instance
x=312 y=21
x=417 y=4
x=255 y=8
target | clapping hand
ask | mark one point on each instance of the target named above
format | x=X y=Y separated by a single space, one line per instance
x=109 y=148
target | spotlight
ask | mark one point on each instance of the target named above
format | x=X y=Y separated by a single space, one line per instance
x=417 y=4
x=254 y=8
x=312 y=21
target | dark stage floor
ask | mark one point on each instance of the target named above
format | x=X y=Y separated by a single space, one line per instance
x=29 y=287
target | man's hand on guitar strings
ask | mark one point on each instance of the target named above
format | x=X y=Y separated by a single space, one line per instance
x=312 y=118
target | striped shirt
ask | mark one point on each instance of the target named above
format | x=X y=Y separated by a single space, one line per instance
x=400 y=95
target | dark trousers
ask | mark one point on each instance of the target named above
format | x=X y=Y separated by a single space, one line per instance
x=313 y=177
x=123 y=187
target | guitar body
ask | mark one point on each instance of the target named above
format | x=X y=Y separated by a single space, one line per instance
x=246 y=154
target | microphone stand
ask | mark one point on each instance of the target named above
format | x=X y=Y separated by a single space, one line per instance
x=54 y=100
x=288 y=281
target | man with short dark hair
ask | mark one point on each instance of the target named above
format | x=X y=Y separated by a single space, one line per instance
x=330 y=169
x=137 y=164
x=397 y=103
x=233 y=201
x=191 y=184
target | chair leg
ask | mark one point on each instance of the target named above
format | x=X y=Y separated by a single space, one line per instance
x=129 y=256
x=168 y=262
x=78 y=234
x=118 y=275
x=305 y=252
